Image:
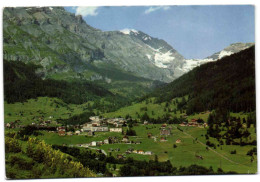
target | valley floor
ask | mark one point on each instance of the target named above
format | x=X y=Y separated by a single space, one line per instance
x=185 y=146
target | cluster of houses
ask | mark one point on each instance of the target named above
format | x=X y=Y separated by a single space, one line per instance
x=113 y=140
x=42 y=123
x=110 y=140
x=133 y=151
x=15 y=124
x=96 y=124
x=194 y=122
x=129 y=151
x=165 y=131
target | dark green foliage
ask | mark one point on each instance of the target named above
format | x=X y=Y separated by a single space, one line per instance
x=221 y=121
x=195 y=170
x=33 y=130
x=22 y=162
x=252 y=152
x=228 y=83
x=77 y=119
x=94 y=161
x=144 y=168
x=130 y=132
x=21 y=83
x=233 y=152
x=12 y=145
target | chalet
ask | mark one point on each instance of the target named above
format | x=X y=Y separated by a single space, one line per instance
x=130 y=150
x=149 y=135
x=194 y=120
x=91 y=133
x=106 y=141
x=163 y=139
x=148 y=153
x=61 y=128
x=125 y=139
x=8 y=125
x=119 y=130
x=121 y=120
x=103 y=128
x=120 y=156
x=164 y=125
x=95 y=124
x=99 y=129
x=77 y=132
x=93 y=143
x=61 y=133
x=140 y=151
x=118 y=125
x=94 y=118
x=165 y=132
x=69 y=133
x=178 y=141
x=87 y=127
x=183 y=124
x=154 y=138
x=137 y=142
x=99 y=143
x=145 y=122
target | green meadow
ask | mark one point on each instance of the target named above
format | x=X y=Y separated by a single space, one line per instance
x=183 y=155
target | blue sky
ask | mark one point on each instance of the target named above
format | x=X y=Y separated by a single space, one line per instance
x=194 y=31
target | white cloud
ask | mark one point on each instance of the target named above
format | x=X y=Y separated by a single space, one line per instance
x=156 y=8
x=87 y=11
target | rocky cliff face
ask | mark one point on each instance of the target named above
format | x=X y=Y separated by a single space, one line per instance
x=62 y=42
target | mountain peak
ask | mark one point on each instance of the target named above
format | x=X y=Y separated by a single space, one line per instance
x=128 y=31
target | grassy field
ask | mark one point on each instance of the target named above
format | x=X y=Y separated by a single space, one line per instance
x=182 y=155
x=154 y=110
x=48 y=108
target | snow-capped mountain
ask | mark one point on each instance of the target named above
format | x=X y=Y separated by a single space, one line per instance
x=62 y=43
x=158 y=52
x=233 y=48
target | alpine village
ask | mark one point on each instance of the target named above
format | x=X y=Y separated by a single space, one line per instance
x=81 y=102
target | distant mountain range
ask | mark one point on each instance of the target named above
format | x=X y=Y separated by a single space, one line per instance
x=233 y=48
x=225 y=84
x=63 y=43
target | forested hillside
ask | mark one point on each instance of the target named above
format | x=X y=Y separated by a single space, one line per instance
x=228 y=83
x=21 y=83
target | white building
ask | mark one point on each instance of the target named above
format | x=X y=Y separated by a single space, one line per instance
x=148 y=153
x=77 y=132
x=93 y=143
x=119 y=130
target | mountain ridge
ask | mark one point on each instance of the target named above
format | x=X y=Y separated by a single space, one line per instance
x=63 y=43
